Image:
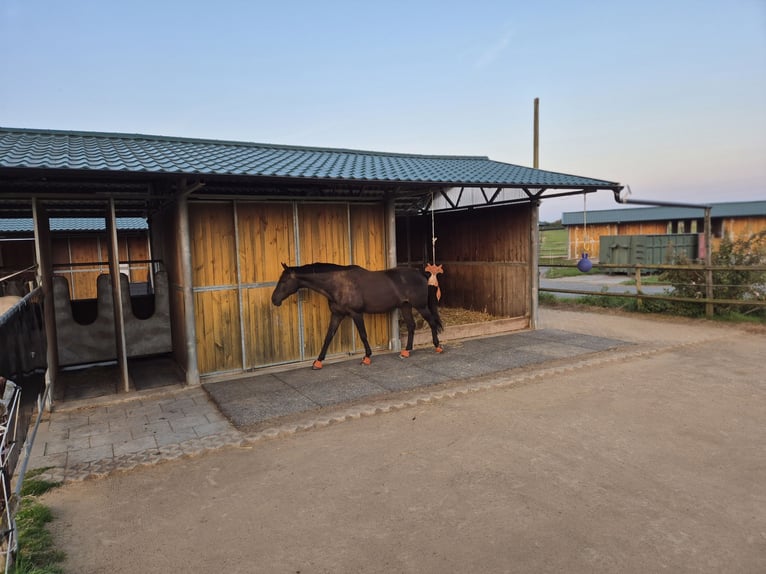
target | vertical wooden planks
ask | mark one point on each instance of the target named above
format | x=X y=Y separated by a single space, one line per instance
x=218 y=335
x=84 y=278
x=138 y=250
x=368 y=249
x=60 y=256
x=213 y=254
x=235 y=268
x=266 y=240
x=272 y=334
x=214 y=279
x=324 y=237
x=324 y=233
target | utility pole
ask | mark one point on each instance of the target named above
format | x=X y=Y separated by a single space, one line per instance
x=708 y=262
x=536 y=143
x=534 y=239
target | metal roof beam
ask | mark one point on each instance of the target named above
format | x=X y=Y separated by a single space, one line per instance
x=620 y=198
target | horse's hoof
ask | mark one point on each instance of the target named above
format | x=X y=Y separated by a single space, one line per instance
x=404 y=354
x=439 y=350
x=366 y=361
x=317 y=365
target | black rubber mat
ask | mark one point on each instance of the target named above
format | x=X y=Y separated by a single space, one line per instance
x=252 y=401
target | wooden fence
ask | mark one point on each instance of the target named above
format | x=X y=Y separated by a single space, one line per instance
x=638 y=270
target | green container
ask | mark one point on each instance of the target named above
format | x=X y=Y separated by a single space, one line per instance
x=647 y=250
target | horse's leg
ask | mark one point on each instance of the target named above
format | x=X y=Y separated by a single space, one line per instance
x=435 y=326
x=359 y=322
x=410 y=322
x=334 y=322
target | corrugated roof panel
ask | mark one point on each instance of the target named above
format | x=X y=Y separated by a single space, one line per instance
x=45 y=149
x=25 y=225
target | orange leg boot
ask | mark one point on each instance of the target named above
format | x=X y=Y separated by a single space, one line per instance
x=317 y=365
x=404 y=354
x=366 y=361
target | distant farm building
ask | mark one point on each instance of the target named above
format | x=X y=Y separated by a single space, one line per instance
x=734 y=220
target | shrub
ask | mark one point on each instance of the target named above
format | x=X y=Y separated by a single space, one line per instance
x=737 y=284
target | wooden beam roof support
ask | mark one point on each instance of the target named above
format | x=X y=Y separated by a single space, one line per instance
x=119 y=316
x=534 y=256
x=190 y=328
x=45 y=280
x=395 y=342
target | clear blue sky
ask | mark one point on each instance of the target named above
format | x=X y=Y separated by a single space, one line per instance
x=667 y=96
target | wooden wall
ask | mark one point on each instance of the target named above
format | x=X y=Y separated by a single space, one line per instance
x=742 y=227
x=238 y=248
x=214 y=278
x=80 y=259
x=485 y=254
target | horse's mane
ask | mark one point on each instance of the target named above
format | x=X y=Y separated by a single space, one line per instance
x=323 y=268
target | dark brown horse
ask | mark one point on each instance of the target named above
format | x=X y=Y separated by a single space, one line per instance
x=353 y=290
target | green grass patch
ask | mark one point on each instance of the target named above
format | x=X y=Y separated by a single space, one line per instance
x=558 y=272
x=629 y=304
x=602 y=301
x=33 y=486
x=758 y=317
x=647 y=280
x=554 y=243
x=37 y=554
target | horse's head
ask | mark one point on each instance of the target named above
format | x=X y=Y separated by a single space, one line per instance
x=286 y=286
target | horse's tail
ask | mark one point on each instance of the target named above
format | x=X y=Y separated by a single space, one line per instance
x=433 y=306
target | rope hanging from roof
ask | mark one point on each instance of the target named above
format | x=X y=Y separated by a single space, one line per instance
x=431 y=268
x=584 y=264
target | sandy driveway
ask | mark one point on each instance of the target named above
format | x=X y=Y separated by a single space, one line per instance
x=652 y=463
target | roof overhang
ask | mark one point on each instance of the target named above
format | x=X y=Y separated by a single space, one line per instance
x=80 y=173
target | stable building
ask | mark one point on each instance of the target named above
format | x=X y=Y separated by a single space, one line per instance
x=223 y=216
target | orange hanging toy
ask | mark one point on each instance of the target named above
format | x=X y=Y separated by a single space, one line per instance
x=434 y=270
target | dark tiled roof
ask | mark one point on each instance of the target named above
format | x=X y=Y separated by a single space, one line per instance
x=57 y=150
x=626 y=215
x=25 y=225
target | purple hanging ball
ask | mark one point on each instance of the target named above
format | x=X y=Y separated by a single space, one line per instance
x=584 y=264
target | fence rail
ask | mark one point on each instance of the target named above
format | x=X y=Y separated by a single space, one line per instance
x=640 y=296
x=23 y=360
x=708 y=286
x=664 y=266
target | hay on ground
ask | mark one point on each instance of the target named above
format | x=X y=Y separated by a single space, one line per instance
x=452 y=316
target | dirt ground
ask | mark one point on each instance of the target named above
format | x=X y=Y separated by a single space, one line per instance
x=656 y=462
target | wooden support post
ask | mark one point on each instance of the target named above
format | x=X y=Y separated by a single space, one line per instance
x=536 y=142
x=45 y=280
x=639 y=301
x=534 y=222
x=395 y=342
x=534 y=256
x=708 y=263
x=119 y=313
x=190 y=326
